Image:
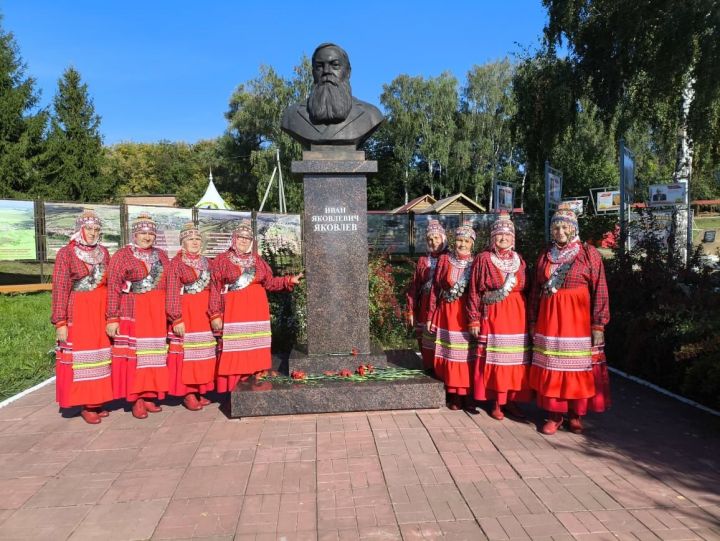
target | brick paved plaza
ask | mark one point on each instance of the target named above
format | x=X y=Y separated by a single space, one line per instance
x=648 y=470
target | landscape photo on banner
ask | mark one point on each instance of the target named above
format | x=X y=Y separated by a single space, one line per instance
x=60 y=225
x=17 y=230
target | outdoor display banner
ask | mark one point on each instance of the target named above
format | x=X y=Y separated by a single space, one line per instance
x=608 y=201
x=388 y=233
x=169 y=219
x=577 y=205
x=17 y=230
x=216 y=227
x=504 y=197
x=60 y=225
x=667 y=194
x=449 y=221
x=659 y=224
x=279 y=238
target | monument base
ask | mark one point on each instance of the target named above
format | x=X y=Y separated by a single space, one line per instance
x=252 y=398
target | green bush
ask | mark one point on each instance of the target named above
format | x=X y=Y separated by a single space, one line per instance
x=664 y=318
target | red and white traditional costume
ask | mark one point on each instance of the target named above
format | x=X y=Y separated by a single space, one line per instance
x=496 y=307
x=79 y=298
x=237 y=295
x=136 y=299
x=569 y=300
x=455 y=351
x=418 y=295
x=192 y=358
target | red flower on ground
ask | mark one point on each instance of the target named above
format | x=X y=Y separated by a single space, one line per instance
x=260 y=375
x=330 y=373
x=361 y=370
x=297 y=374
x=354 y=351
x=370 y=368
x=345 y=373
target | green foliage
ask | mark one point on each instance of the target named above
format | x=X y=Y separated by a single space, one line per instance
x=74 y=151
x=26 y=349
x=254 y=116
x=664 y=318
x=386 y=324
x=21 y=124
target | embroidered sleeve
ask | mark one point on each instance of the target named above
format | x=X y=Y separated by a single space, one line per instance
x=270 y=282
x=216 y=306
x=599 y=297
x=173 y=300
x=62 y=286
x=440 y=271
x=473 y=303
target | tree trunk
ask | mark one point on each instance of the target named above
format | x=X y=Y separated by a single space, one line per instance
x=683 y=172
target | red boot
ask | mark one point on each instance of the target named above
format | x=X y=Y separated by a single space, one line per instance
x=453 y=402
x=192 y=403
x=152 y=407
x=204 y=401
x=575 y=423
x=497 y=412
x=552 y=424
x=138 y=410
x=89 y=416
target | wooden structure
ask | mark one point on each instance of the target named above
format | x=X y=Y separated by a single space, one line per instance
x=455 y=204
x=416 y=205
x=166 y=200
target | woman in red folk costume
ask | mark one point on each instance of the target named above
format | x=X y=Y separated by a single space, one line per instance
x=569 y=311
x=192 y=357
x=239 y=306
x=137 y=321
x=496 y=311
x=418 y=295
x=454 y=352
x=79 y=297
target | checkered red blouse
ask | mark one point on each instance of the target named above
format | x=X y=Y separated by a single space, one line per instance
x=125 y=267
x=68 y=269
x=485 y=276
x=178 y=275
x=587 y=271
x=224 y=272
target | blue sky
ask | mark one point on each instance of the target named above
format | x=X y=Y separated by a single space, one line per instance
x=166 y=70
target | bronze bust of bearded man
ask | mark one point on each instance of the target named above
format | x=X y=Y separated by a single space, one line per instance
x=331 y=116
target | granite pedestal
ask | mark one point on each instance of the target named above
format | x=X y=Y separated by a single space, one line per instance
x=338 y=324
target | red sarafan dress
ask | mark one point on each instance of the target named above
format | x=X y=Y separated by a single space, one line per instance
x=136 y=298
x=79 y=299
x=454 y=352
x=418 y=304
x=192 y=359
x=496 y=305
x=567 y=372
x=237 y=294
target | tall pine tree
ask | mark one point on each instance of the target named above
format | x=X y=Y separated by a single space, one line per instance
x=73 y=159
x=21 y=124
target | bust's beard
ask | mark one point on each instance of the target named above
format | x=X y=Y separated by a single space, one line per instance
x=329 y=103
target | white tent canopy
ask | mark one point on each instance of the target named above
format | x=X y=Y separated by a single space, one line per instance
x=211 y=199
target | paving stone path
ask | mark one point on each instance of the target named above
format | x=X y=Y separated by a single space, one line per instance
x=650 y=469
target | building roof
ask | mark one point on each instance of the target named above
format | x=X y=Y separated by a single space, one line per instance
x=422 y=202
x=454 y=204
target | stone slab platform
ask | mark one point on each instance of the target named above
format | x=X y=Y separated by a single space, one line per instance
x=253 y=399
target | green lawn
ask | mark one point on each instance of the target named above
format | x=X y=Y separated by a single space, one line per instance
x=27 y=340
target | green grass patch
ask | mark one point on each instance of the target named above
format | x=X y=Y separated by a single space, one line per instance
x=27 y=340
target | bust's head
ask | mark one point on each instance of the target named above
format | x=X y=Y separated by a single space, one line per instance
x=330 y=98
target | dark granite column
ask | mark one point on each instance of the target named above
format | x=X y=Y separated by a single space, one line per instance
x=336 y=249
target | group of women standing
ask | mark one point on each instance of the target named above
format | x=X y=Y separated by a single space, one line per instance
x=138 y=326
x=492 y=333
